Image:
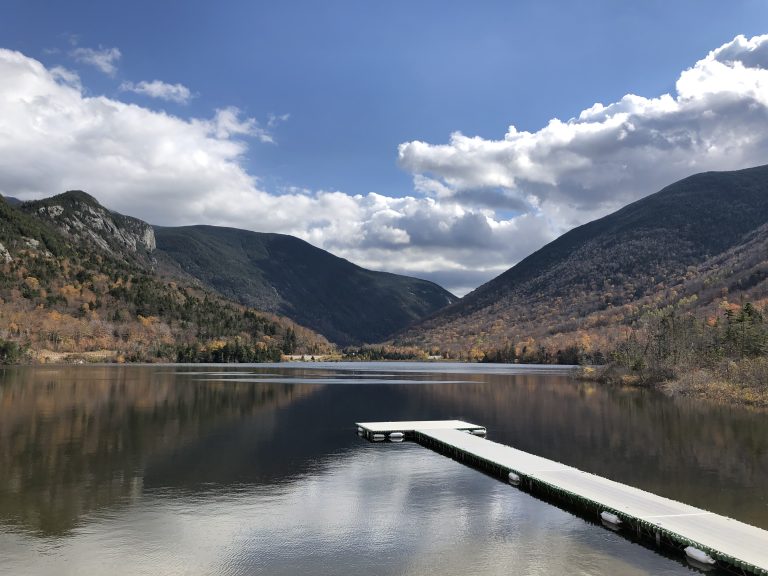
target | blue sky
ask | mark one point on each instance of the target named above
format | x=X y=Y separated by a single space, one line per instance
x=325 y=93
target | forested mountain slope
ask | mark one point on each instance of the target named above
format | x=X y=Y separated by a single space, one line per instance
x=78 y=278
x=688 y=242
x=285 y=275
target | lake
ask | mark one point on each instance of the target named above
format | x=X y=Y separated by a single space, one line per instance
x=257 y=469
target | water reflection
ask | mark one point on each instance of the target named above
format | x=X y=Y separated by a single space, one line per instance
x=707 y=455
x=258 y=470
x=441 y=518
x=76 y=440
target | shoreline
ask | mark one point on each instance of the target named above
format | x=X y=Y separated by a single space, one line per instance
x=699 y=383
x=743 y=383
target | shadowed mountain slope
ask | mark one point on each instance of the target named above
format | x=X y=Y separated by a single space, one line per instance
x=649 y=251
x=282 y=274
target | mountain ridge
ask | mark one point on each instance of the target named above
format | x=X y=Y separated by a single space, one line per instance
x=608 y=266
x=67 y=288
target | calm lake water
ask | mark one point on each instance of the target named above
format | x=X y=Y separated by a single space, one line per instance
x=258 y=470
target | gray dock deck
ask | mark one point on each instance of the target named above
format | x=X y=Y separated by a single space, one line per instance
x=735 y=545
x=409 y=427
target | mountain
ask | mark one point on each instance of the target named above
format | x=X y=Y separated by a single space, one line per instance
x=691 y=243
x=81 y=217
x=282 y=274
x=11 y=200
x=80 y=279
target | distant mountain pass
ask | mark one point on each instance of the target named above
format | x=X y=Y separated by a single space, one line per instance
x=282 y=274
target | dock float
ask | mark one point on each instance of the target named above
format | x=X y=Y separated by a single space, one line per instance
x=705 y=538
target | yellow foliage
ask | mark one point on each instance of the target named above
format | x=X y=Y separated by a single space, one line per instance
x=216 y=345
x=86 y=295
x=69 y=291
x=475 y=355
x=148 y=320
x=585 y=341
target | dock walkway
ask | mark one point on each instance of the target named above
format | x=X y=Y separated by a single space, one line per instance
x=734 y=545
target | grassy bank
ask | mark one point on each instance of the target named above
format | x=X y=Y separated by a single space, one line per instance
x=743 y=382
x=740 y=382
x=722 y=357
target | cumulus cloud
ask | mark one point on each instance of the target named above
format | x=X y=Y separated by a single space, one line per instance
x=477 y=206
x=103 y=59
x=612 y=154
x=158 y=89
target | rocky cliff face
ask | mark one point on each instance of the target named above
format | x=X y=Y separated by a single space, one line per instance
x=80 y=216
x=5 y=256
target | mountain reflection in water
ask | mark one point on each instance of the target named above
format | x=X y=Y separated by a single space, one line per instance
x=256 y=469
x=73 y=440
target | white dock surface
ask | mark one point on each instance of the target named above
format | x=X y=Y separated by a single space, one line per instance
x=729 y=537
x=407 y=426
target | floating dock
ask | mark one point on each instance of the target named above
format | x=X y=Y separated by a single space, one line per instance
x=731 y=544
x=372 y=430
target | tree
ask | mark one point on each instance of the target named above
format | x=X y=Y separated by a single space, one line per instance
x=10 y=352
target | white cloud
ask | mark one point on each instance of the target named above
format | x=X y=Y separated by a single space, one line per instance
x=168 y=170
x=276 y=119
x=103 y=59
x=587 y=166
x=159 y=89
x=228 y=123
x=477 y=207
